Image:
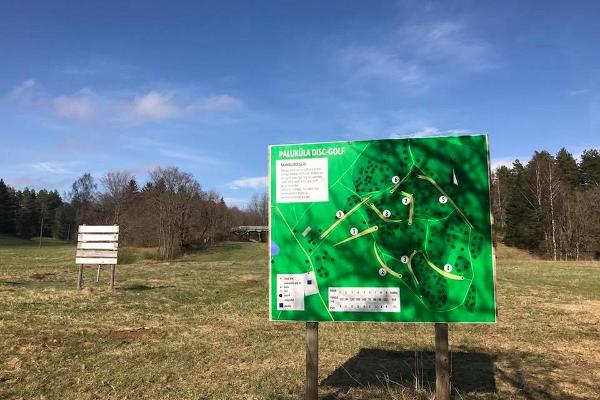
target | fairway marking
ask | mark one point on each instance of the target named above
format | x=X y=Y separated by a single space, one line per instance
x=339 y=221
x=409 y=265
x=411 y=205
x=434 y=183
x=383 y=217
x=359 y=234
x=383 y=264
x=441 y=271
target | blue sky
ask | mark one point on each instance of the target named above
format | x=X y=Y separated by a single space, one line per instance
x=206 y=86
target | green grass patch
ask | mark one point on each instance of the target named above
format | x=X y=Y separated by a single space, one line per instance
x=197 y=328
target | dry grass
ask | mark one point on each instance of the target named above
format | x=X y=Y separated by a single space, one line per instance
x=197 y=328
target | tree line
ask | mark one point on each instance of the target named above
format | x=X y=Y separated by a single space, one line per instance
x=550 y=205
x=170 y=212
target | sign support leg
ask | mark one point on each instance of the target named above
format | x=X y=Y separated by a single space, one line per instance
x=80 y=276
x=112 y=277
x=442 y=370
x=312 y=361
x=98 y=274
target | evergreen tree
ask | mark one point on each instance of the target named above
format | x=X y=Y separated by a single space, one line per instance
x=7 y=209
x=48 y=202
x=523 y=224
x=64 y=226
x=590 y=167
x=28 y=217
x=569 y=170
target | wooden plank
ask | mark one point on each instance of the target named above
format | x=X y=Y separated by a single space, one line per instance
x=94 y=261
x=96 y=253
x=98 y=237
x=97 y=246
x=312 y=361
x=442 y=370
x=98 y=229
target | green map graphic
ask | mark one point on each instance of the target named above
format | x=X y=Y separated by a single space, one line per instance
x=392 y=230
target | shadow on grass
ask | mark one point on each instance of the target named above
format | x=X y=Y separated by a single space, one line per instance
x=11 y=283
x=471 y=371
x=141 y=288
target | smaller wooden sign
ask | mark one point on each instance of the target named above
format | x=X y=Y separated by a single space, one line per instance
x=97 y=245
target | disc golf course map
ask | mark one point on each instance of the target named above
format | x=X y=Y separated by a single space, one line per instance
x=392 y=230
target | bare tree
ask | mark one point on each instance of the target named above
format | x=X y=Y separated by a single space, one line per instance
x=172 y=193
x=115 y=184
x=259 y=207
x=83 y=196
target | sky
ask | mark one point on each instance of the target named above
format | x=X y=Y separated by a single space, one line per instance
x=207 y=85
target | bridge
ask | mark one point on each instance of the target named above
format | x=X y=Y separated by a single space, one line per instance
x=246 y=231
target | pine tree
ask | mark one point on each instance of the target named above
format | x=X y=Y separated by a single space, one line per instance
x=64 y=222
x=28 y=217
x=567 y=165
x=523 y=222
x=7 y=209
x=590 y=167
x=48 y=202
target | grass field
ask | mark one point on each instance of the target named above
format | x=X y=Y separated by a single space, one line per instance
x=197 y=328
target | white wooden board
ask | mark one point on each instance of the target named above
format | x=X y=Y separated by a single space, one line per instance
x=98 y=228
x=98 y=245
x=88 y=260
x=98 y=237
x=96 y=253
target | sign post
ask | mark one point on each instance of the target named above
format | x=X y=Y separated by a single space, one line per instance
x=395 y=230
x=442 y=370
x=97 y=245
x=312 y=361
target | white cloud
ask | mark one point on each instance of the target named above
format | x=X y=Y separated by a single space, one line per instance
x=215 y=103
x=53 y=167
x=459 y=131
x=504 y=162
x=372 y=62
x=235 y=202
x=451 y=43
x=419 y=54
x=154 y=105
x=22 y=89
x=256 y=182
x=187 y=156
x=78 y=106
x=118 y=107
x=579 y=92
x=430 y=131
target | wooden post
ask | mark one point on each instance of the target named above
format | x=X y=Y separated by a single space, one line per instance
x=80 y=276
x=41 y=231
x=112 y=277
x=312 y=361
x=98 y=273
x=442 y=370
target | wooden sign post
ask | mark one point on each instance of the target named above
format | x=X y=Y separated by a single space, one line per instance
x=312 y=361
x=442 y=370
x=97 y=245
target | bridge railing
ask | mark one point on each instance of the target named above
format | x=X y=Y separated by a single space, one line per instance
x=250 y=228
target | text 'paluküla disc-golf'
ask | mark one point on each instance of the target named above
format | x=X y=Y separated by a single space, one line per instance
x=394 y=230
